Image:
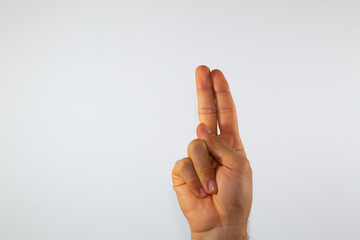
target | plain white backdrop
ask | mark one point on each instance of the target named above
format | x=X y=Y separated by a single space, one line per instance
x=98 y=101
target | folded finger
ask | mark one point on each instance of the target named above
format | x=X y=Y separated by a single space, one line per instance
x=184 y=169
x=199 y=154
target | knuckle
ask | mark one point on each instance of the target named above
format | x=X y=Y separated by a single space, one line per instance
x=206 y=171
x=193 y=181
x=207 y=110
x=184 y=163
x=180 y=164
x=196 y=145
x=227 y=109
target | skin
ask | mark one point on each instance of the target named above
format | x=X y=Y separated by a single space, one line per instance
x=221 y=212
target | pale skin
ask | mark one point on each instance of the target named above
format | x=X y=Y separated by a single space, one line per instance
x=213 y=184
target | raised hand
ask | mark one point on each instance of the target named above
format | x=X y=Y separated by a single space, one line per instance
x=214 y=183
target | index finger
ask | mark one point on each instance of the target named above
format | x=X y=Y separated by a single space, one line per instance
x=206 y=100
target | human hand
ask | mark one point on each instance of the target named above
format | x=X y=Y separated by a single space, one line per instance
x=214 y=183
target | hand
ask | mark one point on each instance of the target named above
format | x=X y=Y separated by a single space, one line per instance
x=214 y=183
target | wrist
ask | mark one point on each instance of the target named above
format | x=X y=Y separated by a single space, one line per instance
x=222 y=233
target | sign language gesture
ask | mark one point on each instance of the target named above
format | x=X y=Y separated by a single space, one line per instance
x=213 y=183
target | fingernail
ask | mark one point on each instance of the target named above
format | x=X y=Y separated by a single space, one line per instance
x=202 y=192
x=212 y=186
x=205 y=128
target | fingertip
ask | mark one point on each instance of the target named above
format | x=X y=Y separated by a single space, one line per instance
x=202 y=69
x=212 y=186
x=202 y=78
x=219 y=81
x=216 y=72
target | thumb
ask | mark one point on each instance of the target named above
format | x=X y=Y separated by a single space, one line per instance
x=218 y=148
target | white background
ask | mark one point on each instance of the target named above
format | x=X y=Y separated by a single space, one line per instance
x=98 y=101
